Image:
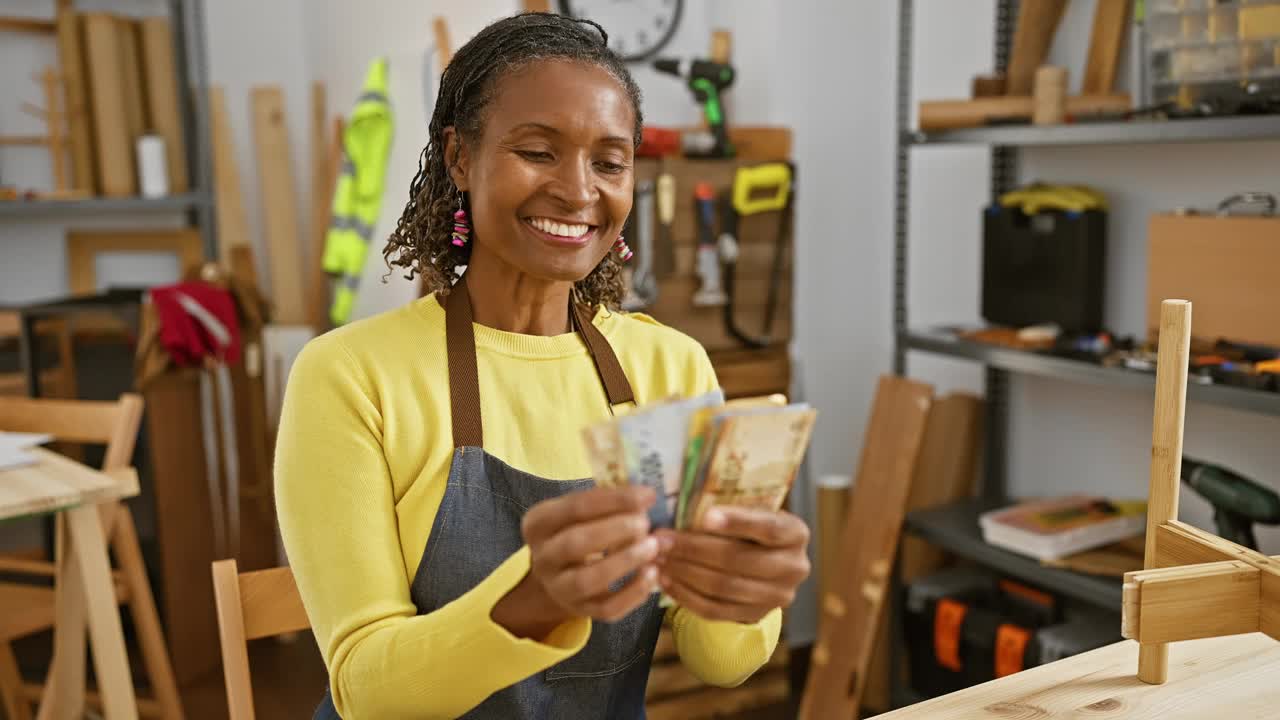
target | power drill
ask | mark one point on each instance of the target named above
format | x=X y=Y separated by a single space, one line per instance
x=1238 y=502
x=708 y=80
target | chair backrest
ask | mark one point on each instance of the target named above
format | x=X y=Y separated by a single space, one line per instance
x=251 y=605
x=113 y=424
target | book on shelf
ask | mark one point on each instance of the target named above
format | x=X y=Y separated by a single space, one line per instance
x=1050 y=528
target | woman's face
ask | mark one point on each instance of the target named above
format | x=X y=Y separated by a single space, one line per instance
x=550 y=180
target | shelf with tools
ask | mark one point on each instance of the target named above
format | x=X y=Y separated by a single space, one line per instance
x=1023 y=105
x=1188 y=130
x=955 y=527
x=1045 y=365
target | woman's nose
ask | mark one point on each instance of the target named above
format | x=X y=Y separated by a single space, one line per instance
x=575 y=184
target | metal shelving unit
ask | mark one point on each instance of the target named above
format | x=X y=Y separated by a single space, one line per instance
x=186 y=202
x=187 y=17
x=1043 y=365
x=1257 y=127
x=955 y=527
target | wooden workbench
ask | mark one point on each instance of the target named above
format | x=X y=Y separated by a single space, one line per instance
x=1230 y=678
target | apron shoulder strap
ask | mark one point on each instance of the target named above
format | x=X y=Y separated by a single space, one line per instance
x=464 y=380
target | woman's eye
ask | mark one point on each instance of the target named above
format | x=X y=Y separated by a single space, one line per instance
x=611 y=168
x=535 y=155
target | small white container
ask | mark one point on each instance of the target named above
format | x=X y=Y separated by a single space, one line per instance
x=153 y=168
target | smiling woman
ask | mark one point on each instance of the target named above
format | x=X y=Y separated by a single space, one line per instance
x=453 y=554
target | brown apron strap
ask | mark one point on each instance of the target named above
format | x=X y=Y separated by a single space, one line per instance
x=616 y=385
x=464 y=380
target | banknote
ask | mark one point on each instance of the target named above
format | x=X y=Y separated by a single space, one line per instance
x=752 y=459
x=647 y=447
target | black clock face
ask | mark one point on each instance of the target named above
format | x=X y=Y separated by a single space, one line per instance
x=637 y=28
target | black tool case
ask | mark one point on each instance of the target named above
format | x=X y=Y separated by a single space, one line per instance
x=1043 y=268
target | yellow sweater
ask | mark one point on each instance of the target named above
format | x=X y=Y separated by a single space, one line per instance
x=364 y=449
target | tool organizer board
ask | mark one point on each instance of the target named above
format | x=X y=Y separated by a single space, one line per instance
x=757 y=235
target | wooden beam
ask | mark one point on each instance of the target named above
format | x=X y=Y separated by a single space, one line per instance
x=1178 y=543
x=1188 y=603
x=36 y=26
x=275 y=174
x=1037 y=23
x=444 y=48
x=1166 y=452
x=71 y=64
x=1110 y=28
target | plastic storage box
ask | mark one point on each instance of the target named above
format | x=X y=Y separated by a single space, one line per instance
x=1211 y=50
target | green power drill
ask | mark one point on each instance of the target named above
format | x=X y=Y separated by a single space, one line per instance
x=708 y=80
x=1238 y=502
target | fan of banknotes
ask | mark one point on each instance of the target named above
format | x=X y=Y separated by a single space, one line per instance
x=701 y=452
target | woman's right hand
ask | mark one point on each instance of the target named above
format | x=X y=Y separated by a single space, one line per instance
x=581 y=544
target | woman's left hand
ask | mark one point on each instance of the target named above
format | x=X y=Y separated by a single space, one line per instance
x=738 y=566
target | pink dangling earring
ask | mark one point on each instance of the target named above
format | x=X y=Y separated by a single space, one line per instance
x=461 y=228
x=620 y=247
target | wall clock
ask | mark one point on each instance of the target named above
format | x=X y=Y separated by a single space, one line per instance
x=637 y=28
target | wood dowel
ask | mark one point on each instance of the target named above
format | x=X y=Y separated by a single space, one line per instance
x=1166 y=453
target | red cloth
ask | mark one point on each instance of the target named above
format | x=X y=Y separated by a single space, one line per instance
x=197 y=320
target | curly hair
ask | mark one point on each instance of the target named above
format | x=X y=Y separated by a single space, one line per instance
x=421 y=241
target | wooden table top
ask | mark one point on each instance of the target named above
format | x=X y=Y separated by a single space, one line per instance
x=56 y=482
x=1230 y=678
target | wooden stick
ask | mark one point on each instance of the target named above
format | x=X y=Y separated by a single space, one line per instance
x=31 y=140
x=444 y=49
x=54 y=117
x=27 y=25
x=117 y=176
x=1166 y=453
x=71 y=64
x=235 y=656
x=1110 y=27
x=1037 y=23
x=233 y=224
x=321 y=203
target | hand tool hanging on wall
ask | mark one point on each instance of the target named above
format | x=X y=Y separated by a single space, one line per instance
x=710 y=292
x=642 y=290
x=759 y=189
x=708 y=80
x=664 y=251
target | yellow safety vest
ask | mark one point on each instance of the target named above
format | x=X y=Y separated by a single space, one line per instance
x=357 y=196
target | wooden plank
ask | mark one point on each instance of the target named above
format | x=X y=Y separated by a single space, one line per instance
x=115 y=165
x=233 y=224
x=1269 y=620
x=1037 y=22
x=110 y=662
x=1110 y=28
x=946 y=470
x=877 y=504
x=135 y=96
x=444 y=48
x=271 y=603
x=35 y=26
x=937 y=115
x=83 y=247
x=1178 y=543
x=764 y=689
x=1226 y=677
x=64 y=687
x=231 y=635
x=275 y=175
x=162 y=93
x=322 y=174
x=1166 y=452
x=1188 y=603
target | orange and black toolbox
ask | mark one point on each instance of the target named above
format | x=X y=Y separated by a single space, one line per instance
x=965 y=626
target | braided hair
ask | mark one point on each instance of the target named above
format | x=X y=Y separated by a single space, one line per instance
x=421 y=241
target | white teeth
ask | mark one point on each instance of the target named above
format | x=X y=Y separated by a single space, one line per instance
x=557 y=228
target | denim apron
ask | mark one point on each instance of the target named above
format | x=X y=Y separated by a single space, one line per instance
x=478 y=527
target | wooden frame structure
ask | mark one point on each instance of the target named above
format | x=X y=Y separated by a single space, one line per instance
x=1195 y=584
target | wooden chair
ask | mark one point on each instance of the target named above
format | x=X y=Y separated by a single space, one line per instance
x=25 y=609
x=251 y=605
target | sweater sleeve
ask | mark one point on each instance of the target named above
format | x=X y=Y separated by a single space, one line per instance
x=721 y=653
x=338 y=522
